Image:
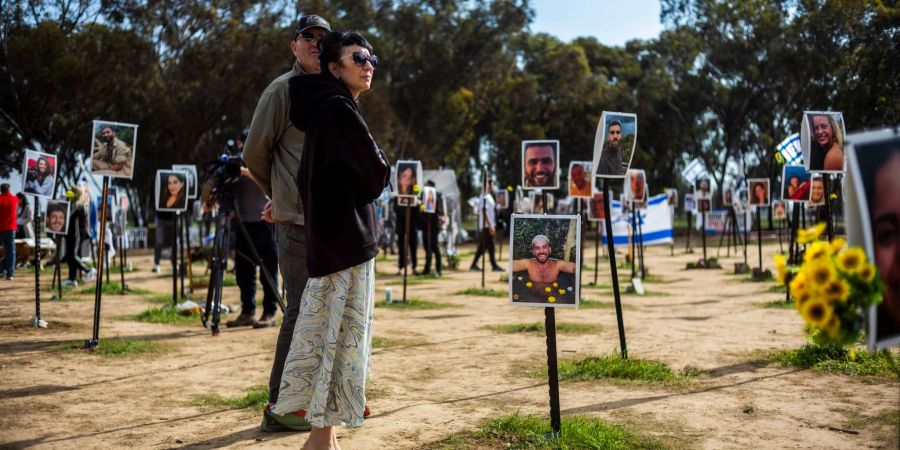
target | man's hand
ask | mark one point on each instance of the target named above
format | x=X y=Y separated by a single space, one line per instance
x=267 y=211
x=245 y=172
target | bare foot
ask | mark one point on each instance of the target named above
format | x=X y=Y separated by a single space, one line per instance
x=321 y=439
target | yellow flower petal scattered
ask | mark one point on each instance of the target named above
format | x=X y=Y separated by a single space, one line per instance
x=562 y=292
x=528 y=283
x=555 y=284
x=851 y=260
x=547 y=289
x=816 y=312
x=551 y=299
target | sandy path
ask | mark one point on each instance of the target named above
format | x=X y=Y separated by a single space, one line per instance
x=445 y=374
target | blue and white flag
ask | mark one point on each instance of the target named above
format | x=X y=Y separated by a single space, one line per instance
x=694 y=170
x=790 y=149
x=655 y=221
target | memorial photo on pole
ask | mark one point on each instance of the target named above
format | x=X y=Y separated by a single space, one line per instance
x=614 y=144
x=690 y=204
x=727 y=194
x=635 y=186
x=192 y=178
x=759 y=191
x=822 y=135
x=113 y=147
x=872 y=206
x=580 y=179
x=429 y=199
x=672 y=197
x=540 y=164
x=39 y=174
x=701 y=187
x=817 y=190
x=596 y=212
x=545 y=260
x=779 y=210
x=171 y=190
x=56 y=221
x=795 y=183
x=502 y=199
x=408 y=174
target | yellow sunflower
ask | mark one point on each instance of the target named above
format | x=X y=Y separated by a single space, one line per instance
x=851 y=260
x=781 y=268
x=799 y=285
x=819 y=274
x=799 y=300
x=838 y=243
x=817 y=251
x=833 y=327
x=866 y=273
x=836 y=290
x=816 y=312
x=810 y=234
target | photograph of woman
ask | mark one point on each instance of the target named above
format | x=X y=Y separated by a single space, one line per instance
x=40 y=173
x=759 y=191
x=877 y=191
x=825 y=140
x=328 y=362
x=408 y=173
x=795 y=183
x=171 y=190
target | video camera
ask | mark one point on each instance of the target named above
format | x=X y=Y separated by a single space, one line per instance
x=223 y=173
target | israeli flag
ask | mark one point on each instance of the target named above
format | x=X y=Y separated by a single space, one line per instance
x=655 y=221
x=790 y=149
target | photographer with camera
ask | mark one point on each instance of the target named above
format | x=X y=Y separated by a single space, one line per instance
x=250 y=200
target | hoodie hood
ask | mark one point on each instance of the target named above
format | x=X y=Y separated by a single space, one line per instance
x=307 y=94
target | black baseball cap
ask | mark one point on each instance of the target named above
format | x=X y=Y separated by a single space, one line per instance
x=307 y=22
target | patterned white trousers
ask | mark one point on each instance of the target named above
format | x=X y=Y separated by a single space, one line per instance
x=326 y=367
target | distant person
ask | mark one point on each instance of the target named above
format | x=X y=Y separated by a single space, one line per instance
x=579 y=183
x=611 y=155
x=826 y=143
x=111 y=156
x=8 y=205
x=409 y=253
x=540 y=165
x=78 y=233
x=431 y=228
x=24 y=217
x=487 y=228
x=817 y=192
x=40 y=179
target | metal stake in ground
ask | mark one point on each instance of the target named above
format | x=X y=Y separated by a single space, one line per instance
x=552 y=371
x=759 y=235
x=826 y=181
x=121 y=232
x=640 y=231
x=406 y=256
x=633 y=239
x=484 y=221
x=612 y=267
x=58 y=270
x=181 y=265
x=597 y=252
x=37 y=262
x=687 y=244
x=101 y=260
x=174 y=258
x=703 y=235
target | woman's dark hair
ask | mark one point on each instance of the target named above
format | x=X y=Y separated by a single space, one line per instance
x=332 y=43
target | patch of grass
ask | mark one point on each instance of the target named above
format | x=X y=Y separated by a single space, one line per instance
x=114 y=288
x=229 y=280
x=414 y=279
x=832 y=359
x=599 y=285
x=775 y=289
x=538 y=328
x=529 y=432
x=166 y=314
x=613 y=366
x=412 y=303
x=483 y=292
x=256 y=397
x=115 y=347
x=777 y=304
x=593 y=304
x=383 y=342
x=161 y=298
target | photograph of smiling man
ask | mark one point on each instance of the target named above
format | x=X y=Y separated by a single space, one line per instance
x=614 y=144
x=545 y=260
x=539 y=164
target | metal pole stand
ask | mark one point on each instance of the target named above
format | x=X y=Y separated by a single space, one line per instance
x=92 y=343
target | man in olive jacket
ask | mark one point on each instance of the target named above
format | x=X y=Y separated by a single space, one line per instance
x=272 y=153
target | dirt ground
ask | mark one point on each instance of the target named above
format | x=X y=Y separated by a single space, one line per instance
x=445 y=372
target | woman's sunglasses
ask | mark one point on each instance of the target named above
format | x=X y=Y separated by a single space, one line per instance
x=360 y=58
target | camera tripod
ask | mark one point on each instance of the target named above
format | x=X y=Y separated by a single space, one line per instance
x=221 y=249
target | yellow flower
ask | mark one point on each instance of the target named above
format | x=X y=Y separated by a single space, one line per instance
x=551 y=299
x=817 y=251
x=866 y=273
x=781 y=267
x=562 y=292
x=417 y=188
x=421 y=207
x=851 y=260
x=819 y=274
x=837 y=244
x=547 y=289
x=816 y=312
x=799 y=286
x=810 y=234
x=509 y=188
x=528 y=283
x=555 y=284
x=799 y=300
x=833 y=196
x=833 y=327
x=779 y=158
x=836 y=290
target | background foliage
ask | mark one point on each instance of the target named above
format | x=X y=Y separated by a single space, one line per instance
x=462 y=82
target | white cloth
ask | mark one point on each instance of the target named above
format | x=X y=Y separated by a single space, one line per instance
x=326 y=367
x=490 y=205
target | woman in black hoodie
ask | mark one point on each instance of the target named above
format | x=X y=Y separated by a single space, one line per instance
x=342 y=173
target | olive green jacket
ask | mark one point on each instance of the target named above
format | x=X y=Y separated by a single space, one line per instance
x=274 y=148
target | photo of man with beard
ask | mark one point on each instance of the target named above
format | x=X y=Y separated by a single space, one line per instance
x=545 y=261
x=113 y=149
x=614 y=144
x=539 y=164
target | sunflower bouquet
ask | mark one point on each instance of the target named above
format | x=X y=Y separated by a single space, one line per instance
x=831 y=288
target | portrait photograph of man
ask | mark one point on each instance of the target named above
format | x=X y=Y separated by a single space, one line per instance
x=407 y=175
x=635 y=186
x=873 y=222
x=540 y=161
x=56 y=220
x=596 y=211
x=580 y=179
x=704 y=204
x=545 y=260
x=113 y=149
x=795 y=183
x=727 y=195
x=39 y=174
x=816 y=190
x=702 y=187
x=614 y=144
x=759 y=191
x=192 y=177
x=672 y=197
x=822 y=136
x=502 y=199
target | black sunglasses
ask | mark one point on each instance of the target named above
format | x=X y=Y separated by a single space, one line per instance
x=360 y=58
x=310 y=37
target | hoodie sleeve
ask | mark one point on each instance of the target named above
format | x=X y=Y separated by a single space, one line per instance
x=355 y=152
